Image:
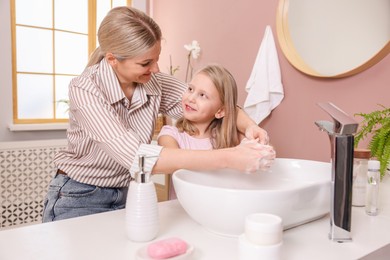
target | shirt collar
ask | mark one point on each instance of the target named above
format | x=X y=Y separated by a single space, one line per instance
x=113 y=90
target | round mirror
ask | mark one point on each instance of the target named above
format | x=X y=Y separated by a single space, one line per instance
x=333 y=38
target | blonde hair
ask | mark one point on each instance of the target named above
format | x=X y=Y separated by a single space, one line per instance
x=126 y=32
x=224 y=131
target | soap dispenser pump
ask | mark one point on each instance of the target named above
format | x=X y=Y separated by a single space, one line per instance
x=142 y=221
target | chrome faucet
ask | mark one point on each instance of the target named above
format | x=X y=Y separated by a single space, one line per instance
x=341 y=137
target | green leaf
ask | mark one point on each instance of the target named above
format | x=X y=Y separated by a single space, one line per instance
x=385 y=159
x=376 y=123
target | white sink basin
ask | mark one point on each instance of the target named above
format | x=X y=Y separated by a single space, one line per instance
x=296 y=190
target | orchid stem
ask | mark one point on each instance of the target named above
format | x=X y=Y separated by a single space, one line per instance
x=170 y=65
x=188 y=66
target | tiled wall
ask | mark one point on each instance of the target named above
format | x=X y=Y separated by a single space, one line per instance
x=25 y=171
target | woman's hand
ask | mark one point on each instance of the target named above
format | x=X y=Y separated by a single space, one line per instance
x=251 y=156
x=254 y=132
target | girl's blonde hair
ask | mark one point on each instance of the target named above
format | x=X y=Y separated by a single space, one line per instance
x=126 y=32
x=224 y=131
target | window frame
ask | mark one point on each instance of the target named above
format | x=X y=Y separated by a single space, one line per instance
x=92 y=43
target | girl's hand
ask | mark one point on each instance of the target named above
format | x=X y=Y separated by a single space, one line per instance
x=268 y=158
x=251 y=156
x=254 y=132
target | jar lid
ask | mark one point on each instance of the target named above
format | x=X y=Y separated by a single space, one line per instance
x=362 y=153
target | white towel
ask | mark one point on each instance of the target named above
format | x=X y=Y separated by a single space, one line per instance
x=264 y=87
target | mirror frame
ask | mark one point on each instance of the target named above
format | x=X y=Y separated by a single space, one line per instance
x=292 y=55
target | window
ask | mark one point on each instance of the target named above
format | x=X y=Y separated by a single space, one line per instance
x=51 y=41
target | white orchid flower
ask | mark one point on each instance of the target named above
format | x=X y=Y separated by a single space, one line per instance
x=193 y=48
x=194 y=51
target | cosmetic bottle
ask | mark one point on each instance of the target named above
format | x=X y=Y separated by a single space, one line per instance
x=360 y=167
x=372 y=191
x=142 y=221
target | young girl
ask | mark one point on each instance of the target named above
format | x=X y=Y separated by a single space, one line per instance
x=209 y=115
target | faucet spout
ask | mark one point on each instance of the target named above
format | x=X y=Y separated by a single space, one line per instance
x=342 y=147
x=325 y=126
x=343 y=123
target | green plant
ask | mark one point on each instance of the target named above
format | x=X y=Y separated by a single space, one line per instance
x=172 y=70
x=376 y=123
x=66 y=102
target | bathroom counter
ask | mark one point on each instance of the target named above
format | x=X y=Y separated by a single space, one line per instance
x=102 y=236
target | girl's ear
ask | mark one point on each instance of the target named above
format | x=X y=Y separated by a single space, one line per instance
x=111 y=59
x=220 y=113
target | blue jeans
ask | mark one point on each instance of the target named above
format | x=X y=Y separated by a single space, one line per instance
x=67 y=198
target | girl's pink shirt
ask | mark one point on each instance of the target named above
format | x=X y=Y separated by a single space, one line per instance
x=185 y=141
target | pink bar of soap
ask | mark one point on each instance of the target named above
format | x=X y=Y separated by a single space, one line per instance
x=167 y=248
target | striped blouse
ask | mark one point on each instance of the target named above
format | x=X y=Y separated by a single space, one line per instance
x=107 y=131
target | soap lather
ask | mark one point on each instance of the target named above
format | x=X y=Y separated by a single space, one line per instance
x=142 y=220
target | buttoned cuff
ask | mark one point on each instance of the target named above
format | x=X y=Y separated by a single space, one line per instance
x=151 y=153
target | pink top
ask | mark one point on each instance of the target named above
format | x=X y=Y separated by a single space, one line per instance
x=185 y=141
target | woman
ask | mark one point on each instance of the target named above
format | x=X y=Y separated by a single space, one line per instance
x=114 y=104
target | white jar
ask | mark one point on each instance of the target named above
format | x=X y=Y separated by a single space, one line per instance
x=360 y=162
x=262 y=238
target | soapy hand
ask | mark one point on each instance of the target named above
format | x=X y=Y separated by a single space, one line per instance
x=254 y=132
x=265 y=158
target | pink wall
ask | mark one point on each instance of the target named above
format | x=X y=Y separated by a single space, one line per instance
x=230 y=33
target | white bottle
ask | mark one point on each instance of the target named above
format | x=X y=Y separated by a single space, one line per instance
x=142 y=221
x=360 y=166
x=372 y=191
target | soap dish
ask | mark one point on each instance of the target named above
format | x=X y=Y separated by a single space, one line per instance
x=142 y=254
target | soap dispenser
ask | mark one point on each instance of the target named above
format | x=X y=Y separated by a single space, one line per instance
x=142 y=221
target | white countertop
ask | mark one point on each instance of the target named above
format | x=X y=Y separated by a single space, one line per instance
x=102 y=236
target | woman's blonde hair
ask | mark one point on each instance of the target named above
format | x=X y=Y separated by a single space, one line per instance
x=224 y=131
x=126 y=32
